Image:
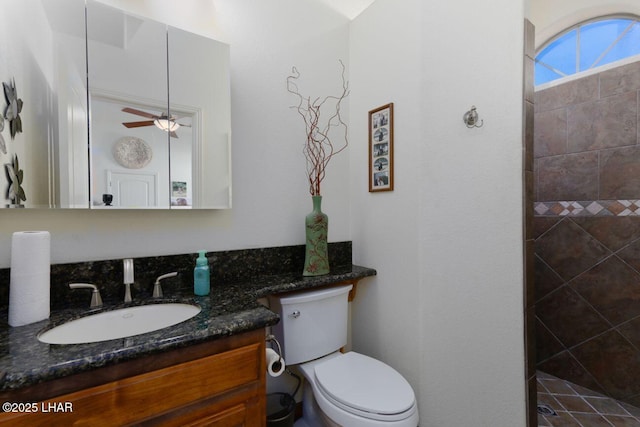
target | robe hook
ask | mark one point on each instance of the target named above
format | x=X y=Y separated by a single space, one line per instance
x=470 y=118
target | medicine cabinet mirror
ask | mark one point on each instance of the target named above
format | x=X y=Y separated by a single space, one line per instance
x=118 y=111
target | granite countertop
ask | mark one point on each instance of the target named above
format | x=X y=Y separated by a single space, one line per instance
x=229 y=309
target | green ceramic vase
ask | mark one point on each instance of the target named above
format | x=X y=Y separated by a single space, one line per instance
x=316 y=261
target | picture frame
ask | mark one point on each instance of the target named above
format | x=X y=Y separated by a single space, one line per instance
x=179 y=194
x=381 y=148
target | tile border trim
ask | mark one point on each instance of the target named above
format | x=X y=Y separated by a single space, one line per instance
x=587 y=208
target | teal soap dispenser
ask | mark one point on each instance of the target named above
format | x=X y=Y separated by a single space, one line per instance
x=201 y=283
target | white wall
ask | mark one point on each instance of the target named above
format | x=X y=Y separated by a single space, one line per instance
x=386 y=65
x=446 y=306
x=270 y=195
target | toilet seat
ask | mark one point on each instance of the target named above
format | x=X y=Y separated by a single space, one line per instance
x=365 y=387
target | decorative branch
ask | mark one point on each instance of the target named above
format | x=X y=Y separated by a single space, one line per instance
x=319 y=148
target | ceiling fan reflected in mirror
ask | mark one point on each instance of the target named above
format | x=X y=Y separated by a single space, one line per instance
x=162 y=121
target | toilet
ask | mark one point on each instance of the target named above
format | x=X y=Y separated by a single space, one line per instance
x=340 y=389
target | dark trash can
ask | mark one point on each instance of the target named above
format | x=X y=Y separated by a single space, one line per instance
x=280 y=410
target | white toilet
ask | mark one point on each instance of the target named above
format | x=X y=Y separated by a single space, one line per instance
x=341 y=389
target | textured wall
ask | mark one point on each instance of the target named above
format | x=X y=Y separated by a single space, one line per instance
x=446 y=307
x=587 y=230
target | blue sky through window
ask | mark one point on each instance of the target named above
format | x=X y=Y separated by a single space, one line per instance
x=586 y=46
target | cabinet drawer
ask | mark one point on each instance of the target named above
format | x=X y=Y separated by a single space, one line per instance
x=232 y=417
x=146 y=395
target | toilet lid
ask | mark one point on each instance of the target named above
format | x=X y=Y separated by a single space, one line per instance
x=365 y=384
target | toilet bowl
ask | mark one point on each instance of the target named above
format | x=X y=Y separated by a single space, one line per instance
x=355 y=390
x=341 y=389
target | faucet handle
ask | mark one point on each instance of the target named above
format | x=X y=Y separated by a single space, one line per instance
x=128 y=270
x=128 y=278
x=96 y=299
x=157 y=289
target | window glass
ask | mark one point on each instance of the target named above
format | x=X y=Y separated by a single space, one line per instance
x=558 y=59
x=597 y=37
x=561 y=54
x=629 y=45
x=544 y=74
x=588 y=45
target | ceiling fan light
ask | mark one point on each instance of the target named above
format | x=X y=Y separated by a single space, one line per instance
x=166 y=124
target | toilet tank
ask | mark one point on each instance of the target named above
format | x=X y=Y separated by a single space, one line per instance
x=312 y=323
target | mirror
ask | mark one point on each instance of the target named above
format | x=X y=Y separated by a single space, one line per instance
x=118 y=142
x=199 y=88
x=42 y=46
x=127 y=75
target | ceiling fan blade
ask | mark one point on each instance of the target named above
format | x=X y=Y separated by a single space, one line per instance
x=173 y=134
x=184 y=126
x=139 y=113
x=138 y=124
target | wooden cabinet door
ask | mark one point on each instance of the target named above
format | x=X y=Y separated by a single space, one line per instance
x=225 y=389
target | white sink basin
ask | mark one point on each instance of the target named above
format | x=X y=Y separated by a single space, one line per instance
x=121 y=323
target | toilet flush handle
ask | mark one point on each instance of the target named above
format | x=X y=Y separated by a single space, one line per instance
x=295 y=314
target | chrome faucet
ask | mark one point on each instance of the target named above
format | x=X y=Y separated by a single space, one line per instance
x=96 y=299
x=128 y=278
x=157 y=289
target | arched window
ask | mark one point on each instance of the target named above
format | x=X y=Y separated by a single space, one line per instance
x=588 y=45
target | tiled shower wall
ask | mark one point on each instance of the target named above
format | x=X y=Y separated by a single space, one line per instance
x=587 y=231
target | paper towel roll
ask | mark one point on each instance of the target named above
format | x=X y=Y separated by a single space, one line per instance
x=275 y=363
x=29 y=291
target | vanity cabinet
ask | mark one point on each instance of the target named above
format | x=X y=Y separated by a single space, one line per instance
x=217 y=383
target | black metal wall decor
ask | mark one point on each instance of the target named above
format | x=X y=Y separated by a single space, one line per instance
x=3 y=145
x=13 y=109
x=15 y=192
